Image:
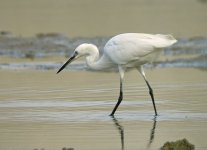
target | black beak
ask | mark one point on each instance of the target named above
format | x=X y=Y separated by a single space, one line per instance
x=69 y=61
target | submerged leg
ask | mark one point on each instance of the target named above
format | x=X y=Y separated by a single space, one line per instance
x=150 y=89
x=121 y=71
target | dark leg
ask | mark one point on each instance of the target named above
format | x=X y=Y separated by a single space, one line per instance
x=119 y=99
x=152 y=96
x=150 y=89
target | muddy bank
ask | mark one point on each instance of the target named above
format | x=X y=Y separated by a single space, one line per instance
x=187 y=52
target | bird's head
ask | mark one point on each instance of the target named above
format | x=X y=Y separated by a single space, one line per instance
x=81 y=50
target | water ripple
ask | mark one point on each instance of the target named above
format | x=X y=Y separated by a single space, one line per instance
x=88 y=116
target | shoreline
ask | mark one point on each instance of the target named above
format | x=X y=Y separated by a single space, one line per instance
x=48 y=51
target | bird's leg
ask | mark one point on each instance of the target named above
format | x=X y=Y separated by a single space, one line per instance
x=119 y=99
x=121 y=71
x=150 y=89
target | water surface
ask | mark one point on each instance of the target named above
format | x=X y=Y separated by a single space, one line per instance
x=40 y=109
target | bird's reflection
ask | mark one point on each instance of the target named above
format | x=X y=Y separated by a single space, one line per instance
x=152 y=133
x=121 y=131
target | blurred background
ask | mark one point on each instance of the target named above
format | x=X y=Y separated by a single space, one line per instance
x=89 y=18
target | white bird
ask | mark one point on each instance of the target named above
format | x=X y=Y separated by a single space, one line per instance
x=124 y=52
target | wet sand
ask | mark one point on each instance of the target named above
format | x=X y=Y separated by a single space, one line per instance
x=40 y=109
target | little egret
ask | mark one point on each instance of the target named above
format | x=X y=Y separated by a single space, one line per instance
x=124 y=52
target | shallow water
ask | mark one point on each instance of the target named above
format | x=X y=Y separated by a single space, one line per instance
x=40 y=109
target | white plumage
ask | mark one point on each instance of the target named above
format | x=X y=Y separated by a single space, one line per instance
x=129 y=48
x=123 y=52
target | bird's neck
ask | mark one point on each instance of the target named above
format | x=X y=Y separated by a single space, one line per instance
x=93 y=58
x=94 y=62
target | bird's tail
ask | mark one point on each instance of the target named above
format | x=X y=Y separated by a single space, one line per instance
x=167 y=40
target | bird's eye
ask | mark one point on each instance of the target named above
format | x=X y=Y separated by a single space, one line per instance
x=76 y=53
